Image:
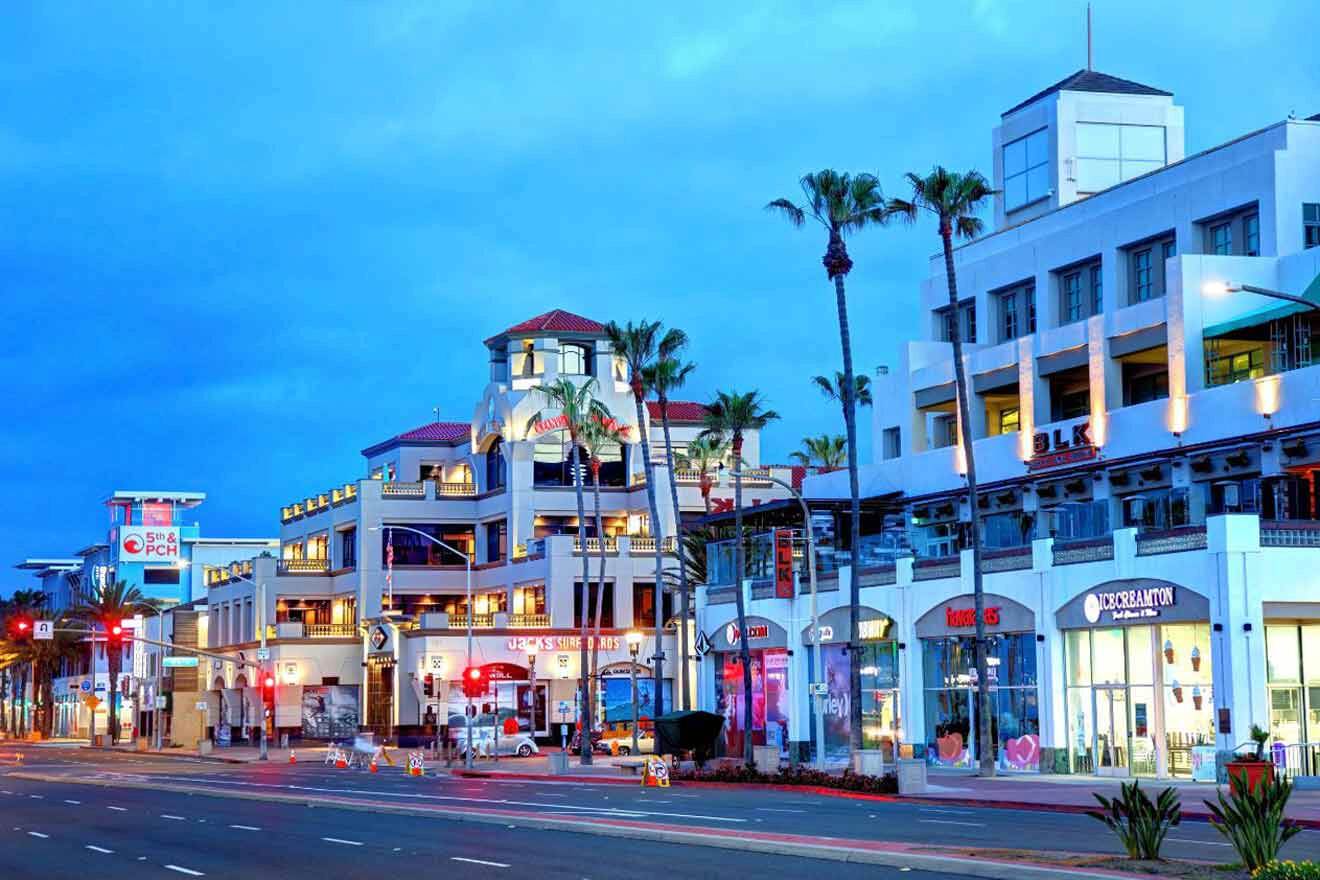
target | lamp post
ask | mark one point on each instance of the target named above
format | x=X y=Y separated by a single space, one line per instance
x=634 y=639
x=531 y=685
x=467 y=561
x=818 y=698
x=1217 y=288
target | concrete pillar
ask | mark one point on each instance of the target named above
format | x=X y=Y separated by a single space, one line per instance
x=1237 y=626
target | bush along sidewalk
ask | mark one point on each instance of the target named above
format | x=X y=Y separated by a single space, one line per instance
x=848 y=781
x=1288 y=870
x=1140 y=823
x=1252 y=819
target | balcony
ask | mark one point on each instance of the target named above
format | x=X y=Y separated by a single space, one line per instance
x=640 y=544
x=330 y=630
x=454 y=490
x=1083 y=550
x=317 y=503
x=593 y=545
x=403 y=490
x=303 y=566
x=1174 y=540
x=1289 y=533
x=529 y=621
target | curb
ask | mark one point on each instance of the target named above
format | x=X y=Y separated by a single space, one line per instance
x=830 y=849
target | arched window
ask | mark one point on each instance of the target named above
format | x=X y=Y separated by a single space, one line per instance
x=574 y=359
x=552 y=460
x=494 y=466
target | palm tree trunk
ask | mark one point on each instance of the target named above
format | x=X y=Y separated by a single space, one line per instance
x=849 y=394
x=4 y=691
x=113 y=655
x=585 y=592
x=600 y=577
x=658 y=533
x=681 y=670
x=744 y=652
x=984 y=743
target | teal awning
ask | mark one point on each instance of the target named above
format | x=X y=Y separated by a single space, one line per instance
x=1282 y=310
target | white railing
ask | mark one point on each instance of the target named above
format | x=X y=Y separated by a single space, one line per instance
x=455 y=489
x=593 y=545
x=403 y=490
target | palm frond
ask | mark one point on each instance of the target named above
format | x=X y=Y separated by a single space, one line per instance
x=792 y=212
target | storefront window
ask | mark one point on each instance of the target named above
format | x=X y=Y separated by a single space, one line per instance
x=1292 y=660
x=768 y=723
x=950 y=693
x=880 y=698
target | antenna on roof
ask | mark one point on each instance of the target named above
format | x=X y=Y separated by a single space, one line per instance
x=436 y=410
x=1090 y=56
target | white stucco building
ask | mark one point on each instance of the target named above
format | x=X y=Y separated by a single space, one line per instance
x=1146 y=444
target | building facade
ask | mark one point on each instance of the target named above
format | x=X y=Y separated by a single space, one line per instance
x=1147 y=438
x=364 y=614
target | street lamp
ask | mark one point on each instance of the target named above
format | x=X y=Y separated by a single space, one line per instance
x=815 y=613
x=1222 y=288
x=531 y=684
x=634 y=639
x=467 y=561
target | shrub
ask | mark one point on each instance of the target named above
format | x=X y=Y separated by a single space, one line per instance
x=1140 y=823
x=1287 y=871
x=1253 y=821
x=848 y=781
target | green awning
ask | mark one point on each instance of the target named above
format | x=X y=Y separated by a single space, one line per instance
x=1283 y=310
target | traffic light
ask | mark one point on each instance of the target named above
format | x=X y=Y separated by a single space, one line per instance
x=114 y=632
x=428 y=685
x=474 y=681
x=20 y=628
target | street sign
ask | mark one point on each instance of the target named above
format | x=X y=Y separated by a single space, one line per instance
x=263 y=654
x=702 y=644
x=161 y=702
x=180 y=663
x=202 y=705
x=818 y=689
x=43 y=629
x=86 y=686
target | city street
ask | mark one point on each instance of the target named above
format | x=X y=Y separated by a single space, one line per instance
x=173 y=822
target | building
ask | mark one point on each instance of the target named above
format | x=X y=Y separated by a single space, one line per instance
x=364 y=615
x=1146 y=444
x=151 y=544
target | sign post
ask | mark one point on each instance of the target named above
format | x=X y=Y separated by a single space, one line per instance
x=43 y=630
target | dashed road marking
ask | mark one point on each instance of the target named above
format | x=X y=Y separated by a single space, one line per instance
x=38 y=834
x=118 y=809
x=952 y=822
x=777 y=810
x=182 y=870
x=175 y=818
x=75 y=803
x=37 y=797
x=99 y=849
x=478 y=862
x=340 y=840
x=245 y=827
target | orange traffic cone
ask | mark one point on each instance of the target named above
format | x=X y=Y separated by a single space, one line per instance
x=373 y=765
x=293 y=757
x=341 y=762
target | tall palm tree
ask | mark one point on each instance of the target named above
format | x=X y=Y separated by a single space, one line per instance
x=844 y=204
x=578 y=405
x=824 y=451
x=665 y=375
x=833 y=388
x=704 y=455
x=106 y=606
x=954 y=199
x=16 y=656
x=595 y=435
x=732 y=414
x=638 y=345
x=45 y=656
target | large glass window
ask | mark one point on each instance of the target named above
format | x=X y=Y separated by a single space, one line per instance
x=1015 y=725
x=1026 y=170
x=1221 y=239
x=574 y=359
x=1251 y=234
x=1016 y=308
x=411 y=548
x=494 y=466
x=1108 y=154
x=1143 y=284
x=606 y=604
x=1072 y=297
x=1311 y=225
x=964 y=323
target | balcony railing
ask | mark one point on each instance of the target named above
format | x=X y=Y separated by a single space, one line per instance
x=329 y=630
x=303 y=566
x=479 y=621
x=934 y=569
x=1288 y=533
x=1008 y=559
x=454 y=490
x=646 y=544
x=529 y=621
x=1084 y=550
x=593 y=545
x=403 y=490
x=1174 y=540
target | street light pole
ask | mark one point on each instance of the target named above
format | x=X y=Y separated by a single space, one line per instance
x=815 y=611
x=1229 y=287
x=634 y=644
x=263 y=752
x=467 y=561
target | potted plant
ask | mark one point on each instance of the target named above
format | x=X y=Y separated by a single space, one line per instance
x=1254 y=768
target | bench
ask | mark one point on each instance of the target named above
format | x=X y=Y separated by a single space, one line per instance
x=630 y=767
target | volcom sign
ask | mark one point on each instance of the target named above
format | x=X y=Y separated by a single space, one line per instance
x=148 y=544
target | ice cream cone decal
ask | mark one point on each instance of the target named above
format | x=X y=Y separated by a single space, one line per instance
x=1196 y=659
x=1177 y=691
x=1196 y=698
x=1168 y=650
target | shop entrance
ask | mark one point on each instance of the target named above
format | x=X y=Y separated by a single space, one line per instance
x=1112 y=743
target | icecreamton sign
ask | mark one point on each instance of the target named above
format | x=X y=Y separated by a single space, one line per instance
x=1129 y=604
x=148 y=544
x=1133 y=602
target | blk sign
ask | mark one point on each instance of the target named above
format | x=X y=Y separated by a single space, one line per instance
x=1062 y=446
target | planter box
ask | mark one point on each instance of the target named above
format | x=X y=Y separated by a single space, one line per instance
x=911 y=776
x=869 y=762
x=1255 y=772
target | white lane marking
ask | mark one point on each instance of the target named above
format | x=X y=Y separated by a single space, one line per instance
x=1197 y=842
x=777 y=810
x=99 y=849
x=952 y=822
x=478 y=862
x=38 y=834
x=75 y=803
x=945 y=810
x=175 y=818
x=189 y=871
x=39 y=797
x=345 y=842
x=118 y=809
x=245 y=827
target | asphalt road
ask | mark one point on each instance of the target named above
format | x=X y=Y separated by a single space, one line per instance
x=729 y=810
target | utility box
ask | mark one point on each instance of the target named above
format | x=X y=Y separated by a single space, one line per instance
x=766 y=758
x=911 y=776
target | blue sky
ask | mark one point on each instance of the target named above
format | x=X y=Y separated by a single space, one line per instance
x=245 y=240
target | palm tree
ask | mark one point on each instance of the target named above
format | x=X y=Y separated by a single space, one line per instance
x=732 y=414
x=832 y=388
x=823 y=451
x=45 y=656
x=595 y=434
x=844 y=204
x=578 y=405
x=107 y=605
x=637 y=346
x=704 y=455
x=16 y=656
x=665 y=375
x=954 y=200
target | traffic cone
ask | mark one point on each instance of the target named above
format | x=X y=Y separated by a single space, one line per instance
x=374 y=769
x=341 y=763
x=293 y=757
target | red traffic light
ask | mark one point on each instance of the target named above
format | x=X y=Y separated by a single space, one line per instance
x=473 y=673
x=20 y=628
x=474 y=681
x=270 y=681
x=23 y=626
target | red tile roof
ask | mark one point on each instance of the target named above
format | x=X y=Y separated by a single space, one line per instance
x=435 y=432
x=679 y=410
x=551 y=321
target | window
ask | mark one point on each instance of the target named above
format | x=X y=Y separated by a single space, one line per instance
x=1074 y=404
x=1221 y=239
x=1008 y=317
x=494 y=466
x=1080 y=292
x=1097 y=298
x=607 y=604
x=1031 y=308
x=1026 y=170
x=945 y=431
x=1145 y=387
x=1225 y=369
x=1143 y=286
x=1251 y=234
x=1109 y=154
x=1311 y=225
x=1072 y=297
x=574 y=359
x=160 y=575
x=497 y=538
x=348 y=548
x=966 y=321
x=644 y=606
x=893 y=443
x=1009 y=420
x=411 y=548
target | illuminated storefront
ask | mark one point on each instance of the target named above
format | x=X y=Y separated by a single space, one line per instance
x=1292 y=666
x=881 y=721
x=767 y=723
x=1140 y=698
